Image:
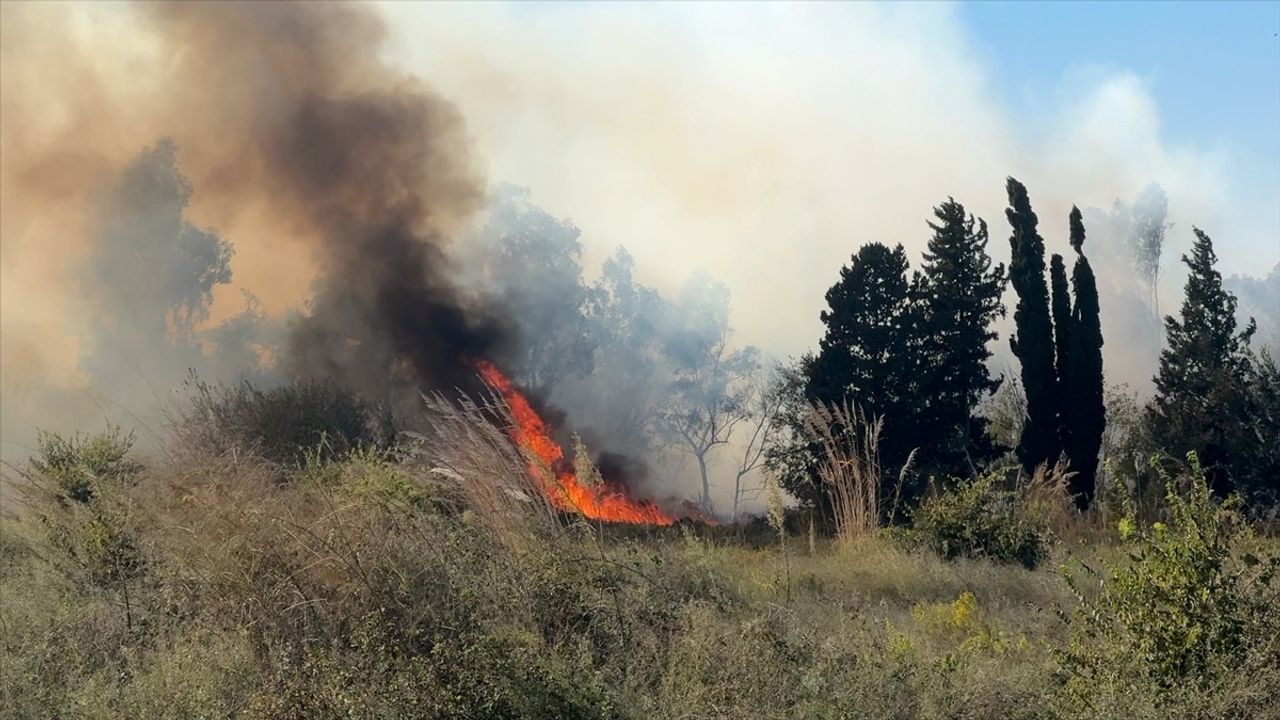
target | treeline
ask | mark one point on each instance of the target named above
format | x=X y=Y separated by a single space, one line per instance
x=659 y=377
x=911 y=350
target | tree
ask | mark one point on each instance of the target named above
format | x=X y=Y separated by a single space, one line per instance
x=619 y=399
x=1033 y=342
x=1147 y=229
x=708 y=394
x=1257 y=463
x=960 y=299
x=1204 y=368
x=149 y=278
x=1083 y=405
x=532 y=262
x=870 y=353
x=1061 y=306
x=1260 y=299
x=765 y=396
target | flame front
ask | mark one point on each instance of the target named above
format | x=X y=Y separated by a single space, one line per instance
x=563 y=490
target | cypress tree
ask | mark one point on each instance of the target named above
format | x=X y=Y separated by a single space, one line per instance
x=1201 y=387
x=1083 y=410
x=1032 y=342
x=960 y=300
x=1061 y=305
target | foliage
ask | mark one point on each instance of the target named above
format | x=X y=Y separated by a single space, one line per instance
x=425 y=583
x=1192 y=604
x=1004 y=413
x=848 y=466
x=1201 y=400
x=792 y=457
x=960 y=295
x=1083 y=407
x=76 y=489
x=979 y=520
x=73 y=467
x=282 y=425
x=1033 y=342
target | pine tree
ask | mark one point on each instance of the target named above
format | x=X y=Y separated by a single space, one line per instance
x=1033 y=340
x=870 y=351
x=1083 y=408
x=1201 y=387
x=960 y=298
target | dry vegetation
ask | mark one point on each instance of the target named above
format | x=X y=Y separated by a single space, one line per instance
x=430 y=580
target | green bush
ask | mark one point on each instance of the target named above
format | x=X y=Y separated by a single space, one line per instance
x=72 y=468
x=1191 y=607
x=979 y=520
x=77 y=486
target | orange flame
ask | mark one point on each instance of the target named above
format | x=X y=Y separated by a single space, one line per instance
x=565 y=492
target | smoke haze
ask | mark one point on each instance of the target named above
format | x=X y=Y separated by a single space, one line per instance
x=270 y=189
x=335 y=174
x=765 y=143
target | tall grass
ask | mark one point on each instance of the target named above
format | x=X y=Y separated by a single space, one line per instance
x=430 y=580
x=849 y=465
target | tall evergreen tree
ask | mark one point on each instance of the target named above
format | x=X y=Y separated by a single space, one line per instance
x=1201 y=388
x=1060 y=298
x=1033 y=340
x=960 y=299
x=1083 y=409
x=870 y=351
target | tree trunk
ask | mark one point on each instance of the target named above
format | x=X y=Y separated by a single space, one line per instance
x=706 y=484
x=737 y=492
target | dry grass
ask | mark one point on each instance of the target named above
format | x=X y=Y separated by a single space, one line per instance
x=467 y=445
x=431 y=582
x=849 y=465
x=1044 y=496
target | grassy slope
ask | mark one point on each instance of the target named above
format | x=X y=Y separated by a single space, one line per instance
x=365 y=590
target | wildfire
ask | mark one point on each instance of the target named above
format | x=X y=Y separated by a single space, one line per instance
x=601 y=502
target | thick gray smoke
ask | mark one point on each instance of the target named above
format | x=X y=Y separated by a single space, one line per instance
x=148 y=286
x=364 y=162
x=278 y=125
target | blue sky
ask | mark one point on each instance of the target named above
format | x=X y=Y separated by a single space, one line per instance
x=1213 y=69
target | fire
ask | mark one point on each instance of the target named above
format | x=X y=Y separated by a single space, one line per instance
x=565 y=492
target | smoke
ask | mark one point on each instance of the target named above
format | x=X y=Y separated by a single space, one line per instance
x=366 y=163
x=761 y=143
x=340 y=174
x=766 y=143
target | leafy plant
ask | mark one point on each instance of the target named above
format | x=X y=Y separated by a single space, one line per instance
x=1186 y=608
x=979 y=520
x=72 y=467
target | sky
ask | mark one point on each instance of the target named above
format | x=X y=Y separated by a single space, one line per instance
x=1213 y=69
x=764 y=143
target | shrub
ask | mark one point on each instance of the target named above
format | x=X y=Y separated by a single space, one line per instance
x=979 y=520
x=1187 y=609
x=286 y=425
x=70 y=469
x=75 y=486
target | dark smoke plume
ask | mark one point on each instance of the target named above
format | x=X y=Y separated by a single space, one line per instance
x=368 y=165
